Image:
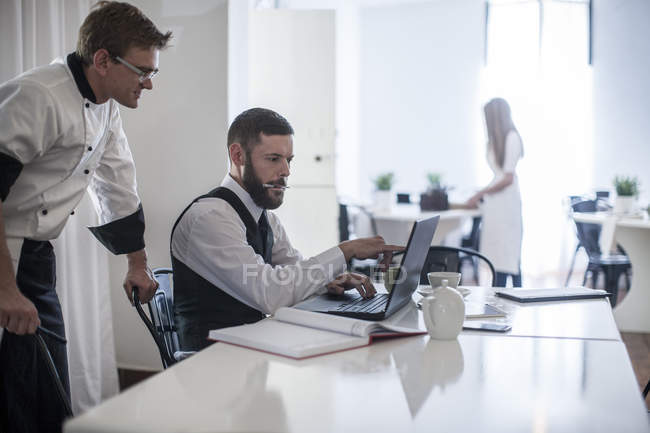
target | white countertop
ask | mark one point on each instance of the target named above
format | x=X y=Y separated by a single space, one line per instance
x=584 y=319
x=496 y=384
x=572 y=375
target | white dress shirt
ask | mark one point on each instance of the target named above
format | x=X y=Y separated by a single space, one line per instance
x=211 y=240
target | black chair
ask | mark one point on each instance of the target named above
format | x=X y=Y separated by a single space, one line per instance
x=573 y=199
x=472 y=241
x=600 y=204
x=161 y=326
x=449 y=259
x=602 y=196
x=350 y=216
x=62 y=395
x=612 y=266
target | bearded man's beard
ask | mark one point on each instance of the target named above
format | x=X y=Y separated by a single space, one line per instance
x=261 y=196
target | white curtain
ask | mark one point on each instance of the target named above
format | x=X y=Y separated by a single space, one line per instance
x=33 y=33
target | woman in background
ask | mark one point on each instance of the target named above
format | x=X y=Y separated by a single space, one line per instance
x=501 y=202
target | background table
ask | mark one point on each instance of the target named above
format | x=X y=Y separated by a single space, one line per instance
x=480 y=382
x=395 y=224
x=632 y=314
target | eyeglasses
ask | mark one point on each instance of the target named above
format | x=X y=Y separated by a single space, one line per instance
x=142 y=75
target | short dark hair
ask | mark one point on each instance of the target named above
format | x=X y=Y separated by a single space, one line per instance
x=246 y=127
x=116 y=27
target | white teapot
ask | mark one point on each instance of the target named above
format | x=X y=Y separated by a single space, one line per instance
x=444 y=312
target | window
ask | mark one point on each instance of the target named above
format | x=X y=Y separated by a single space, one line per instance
x=537 y=58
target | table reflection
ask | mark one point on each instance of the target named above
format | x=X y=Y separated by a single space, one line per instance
x=423 y=364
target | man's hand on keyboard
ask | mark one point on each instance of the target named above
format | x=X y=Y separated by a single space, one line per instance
x=351 y=280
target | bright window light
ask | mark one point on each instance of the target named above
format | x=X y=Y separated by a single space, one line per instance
x=538 y=60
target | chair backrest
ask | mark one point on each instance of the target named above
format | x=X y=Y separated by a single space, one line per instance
x=602 y=195
x=355 y=221
x=575 y=198
x=161 y=310
x=472 y=240
x=588 y=234
x=448 y=259
x=344 y=223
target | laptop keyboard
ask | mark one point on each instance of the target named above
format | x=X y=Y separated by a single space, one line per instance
x=371 y=305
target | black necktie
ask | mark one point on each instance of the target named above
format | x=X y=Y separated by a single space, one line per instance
x=267 y=237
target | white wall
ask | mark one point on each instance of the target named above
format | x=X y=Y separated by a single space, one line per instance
x=407 y=91
x=419 y=105
x=621 y=59
x=292 y=70
x=348 y=50
x=347 y=175
x=238 y=12
x=178 y=137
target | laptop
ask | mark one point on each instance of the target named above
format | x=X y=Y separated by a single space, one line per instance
x=351 y=304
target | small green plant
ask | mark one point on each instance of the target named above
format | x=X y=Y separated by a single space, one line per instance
x=384 y=182
x=626 y=186
x=435 y=180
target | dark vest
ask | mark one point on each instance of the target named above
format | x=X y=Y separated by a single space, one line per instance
x=200 y=305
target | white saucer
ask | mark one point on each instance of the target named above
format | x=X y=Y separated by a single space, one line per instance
x=427 y=290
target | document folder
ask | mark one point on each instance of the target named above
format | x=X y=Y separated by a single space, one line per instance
x=545 y=295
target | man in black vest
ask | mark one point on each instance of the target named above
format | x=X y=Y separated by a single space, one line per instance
x=233 y=262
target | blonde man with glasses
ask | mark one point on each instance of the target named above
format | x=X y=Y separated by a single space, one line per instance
x=61 y=134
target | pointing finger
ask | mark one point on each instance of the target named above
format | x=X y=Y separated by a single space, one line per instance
x=362 y=291
x=370 y=288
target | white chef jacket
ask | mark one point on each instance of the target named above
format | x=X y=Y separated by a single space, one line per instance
x=501 y=229
x=63 y=143
x=210 y=239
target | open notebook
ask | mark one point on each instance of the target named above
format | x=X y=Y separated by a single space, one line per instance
x=302 y=334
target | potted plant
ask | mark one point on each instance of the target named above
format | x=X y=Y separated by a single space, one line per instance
x=383 y=186
x=627 y=191
x=435 y=198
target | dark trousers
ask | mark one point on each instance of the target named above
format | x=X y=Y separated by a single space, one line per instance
x=28 y=397
x=502 y=278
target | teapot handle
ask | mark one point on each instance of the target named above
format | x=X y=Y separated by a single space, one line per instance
x=429 y=321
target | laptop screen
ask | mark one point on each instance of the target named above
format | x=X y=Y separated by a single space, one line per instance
x=417 y=249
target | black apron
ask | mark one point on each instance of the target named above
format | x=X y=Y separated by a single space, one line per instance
x=28 y=397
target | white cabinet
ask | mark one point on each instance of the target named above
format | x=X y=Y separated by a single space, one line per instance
x=291 y=69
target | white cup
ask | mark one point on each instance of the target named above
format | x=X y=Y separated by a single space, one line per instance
x=435 y=279
x=391 y=276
